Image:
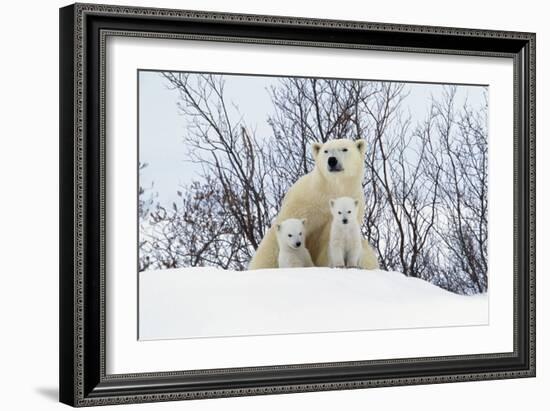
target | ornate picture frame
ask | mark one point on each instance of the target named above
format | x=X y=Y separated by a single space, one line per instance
x=84 y=30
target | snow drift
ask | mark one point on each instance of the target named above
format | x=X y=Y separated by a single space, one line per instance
x=210 y=302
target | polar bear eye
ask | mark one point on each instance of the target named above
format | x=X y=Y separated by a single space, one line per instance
x=339 y=212
x=349 y=212
x=326 y=151
x=299 y=233
x=290 y=235
x=344 y=150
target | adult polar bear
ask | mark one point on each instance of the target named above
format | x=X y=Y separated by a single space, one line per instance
x=338 y=172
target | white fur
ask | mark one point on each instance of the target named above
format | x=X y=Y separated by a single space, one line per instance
x=345 y=244
x=309 y=198
x=291 y=237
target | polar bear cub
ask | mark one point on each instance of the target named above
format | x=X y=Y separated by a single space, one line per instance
x=345 y=244
x=291 y=236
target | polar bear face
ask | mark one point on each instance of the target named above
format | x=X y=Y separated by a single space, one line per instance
x=341 y=157
x=291 y=233
x=344 y=210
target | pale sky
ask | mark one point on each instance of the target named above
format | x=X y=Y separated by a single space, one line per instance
x=162 y=127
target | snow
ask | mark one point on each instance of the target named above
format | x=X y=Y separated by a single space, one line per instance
x=210 y=302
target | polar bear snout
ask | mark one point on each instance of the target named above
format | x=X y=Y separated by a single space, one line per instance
x=295 y=245
x=334 y=164
x=345 y=221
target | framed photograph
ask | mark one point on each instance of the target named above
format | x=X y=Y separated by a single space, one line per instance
x=261 y=204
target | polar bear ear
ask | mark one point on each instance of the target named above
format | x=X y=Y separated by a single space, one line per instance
x=278 y=227
x=356 y=202
x=316 y=148
x=304 y=221
x=361 y=145
x=331 y=202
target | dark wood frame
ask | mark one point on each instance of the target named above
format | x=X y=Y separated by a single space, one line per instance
x=83 y=30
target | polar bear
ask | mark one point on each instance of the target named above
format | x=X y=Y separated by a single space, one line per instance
x=291 y=236
x=345 y=243
x=338 y=172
